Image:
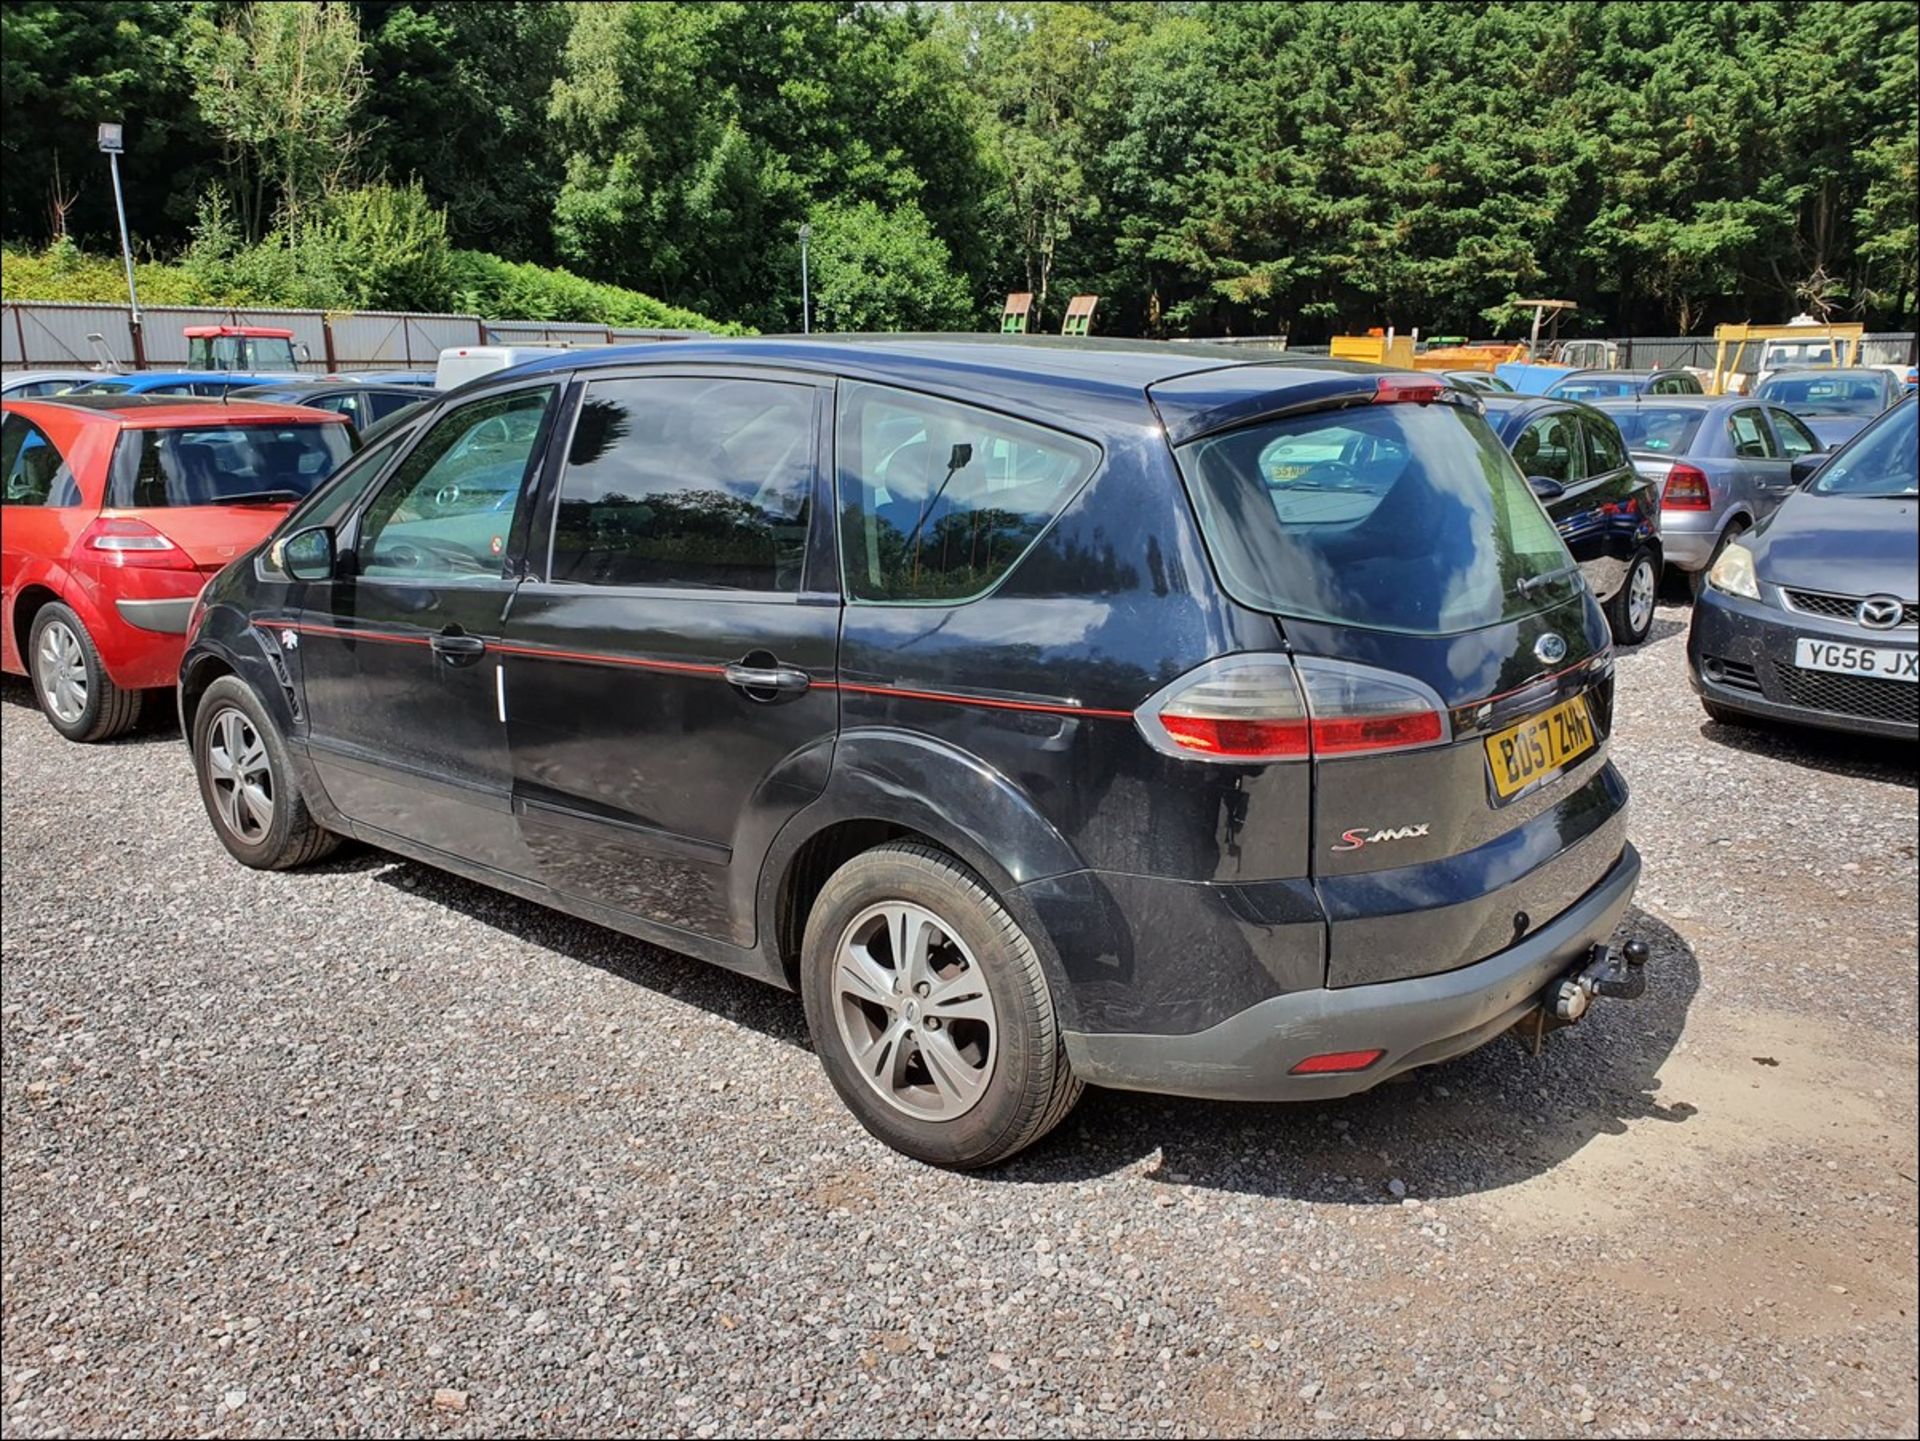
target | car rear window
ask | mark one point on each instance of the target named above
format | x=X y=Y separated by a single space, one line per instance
x=1650 y=427
x=1401 y=517
x=1828 y=394
x=223 y=465
x=1593 y=389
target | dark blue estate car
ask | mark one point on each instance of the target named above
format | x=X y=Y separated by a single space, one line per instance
x=1608 y=513
x=1045 y=713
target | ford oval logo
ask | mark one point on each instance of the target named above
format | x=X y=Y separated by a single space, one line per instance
x=1550 y=649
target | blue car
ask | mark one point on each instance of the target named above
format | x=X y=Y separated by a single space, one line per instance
x=209 y=383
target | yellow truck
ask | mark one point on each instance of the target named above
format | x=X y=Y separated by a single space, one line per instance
x=1801 y=342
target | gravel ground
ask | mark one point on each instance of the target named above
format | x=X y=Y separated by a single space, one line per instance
x=368 y=1149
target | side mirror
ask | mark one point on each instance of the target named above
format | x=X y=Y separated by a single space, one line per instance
x=1805 y=467
x=307 y=554
x=1548 y=489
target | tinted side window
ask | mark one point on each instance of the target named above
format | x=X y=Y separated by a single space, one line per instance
x=34 y=471
x=448 y=507
x=1795 y=439
x=1549 y=447
x=938 y=501
x=1750 y=438
x=688 y=481
x=1604 y=451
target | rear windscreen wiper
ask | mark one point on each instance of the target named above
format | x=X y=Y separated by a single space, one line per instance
x=259 y=497
x=1528 y=584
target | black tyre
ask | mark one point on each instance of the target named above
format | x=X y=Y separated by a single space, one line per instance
x=76 y=694
x=1630 y=612
x=930 y=1011
x=248 y=785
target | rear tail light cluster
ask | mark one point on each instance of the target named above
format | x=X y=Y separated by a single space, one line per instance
x=1686 y=489
x=124 y=541
x=1248 y=709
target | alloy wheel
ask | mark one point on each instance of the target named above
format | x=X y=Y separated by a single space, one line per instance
x=241 y=774
x=1640 y=590
x=61 y=668
x=914 y=1011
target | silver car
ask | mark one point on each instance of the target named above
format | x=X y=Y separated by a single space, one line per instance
x=1723 y=465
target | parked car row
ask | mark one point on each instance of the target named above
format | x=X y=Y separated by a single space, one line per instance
x=974 y=689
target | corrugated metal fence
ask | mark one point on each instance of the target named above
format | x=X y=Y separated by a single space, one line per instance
x=54 y=334
x=37 y=334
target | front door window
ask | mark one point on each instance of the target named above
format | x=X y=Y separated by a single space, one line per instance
x=448 y=509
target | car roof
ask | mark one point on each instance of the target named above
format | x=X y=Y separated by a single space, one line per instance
x=1046 y=377
x=321 y=387
x=1780 y=370
x=1508 y=406
x=159 y=412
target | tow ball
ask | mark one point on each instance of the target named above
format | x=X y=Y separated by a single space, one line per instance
x=1620 y=974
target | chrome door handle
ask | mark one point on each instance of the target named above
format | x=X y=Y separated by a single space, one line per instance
x=782 y=679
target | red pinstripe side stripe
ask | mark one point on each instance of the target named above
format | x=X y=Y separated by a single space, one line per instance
x=948 y=698
x=535 y=652
x=594 y=657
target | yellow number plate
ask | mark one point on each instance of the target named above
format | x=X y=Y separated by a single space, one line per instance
x=1539 y=746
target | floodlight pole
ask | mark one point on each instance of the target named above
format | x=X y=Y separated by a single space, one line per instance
x=806 y=320
x=110 y=141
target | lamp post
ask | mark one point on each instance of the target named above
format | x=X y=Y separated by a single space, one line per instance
x=110 y=143
x=806 y=321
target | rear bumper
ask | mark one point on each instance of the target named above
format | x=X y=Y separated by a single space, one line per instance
x=164 y=617
x=1686 y=549
x=1248 y=1056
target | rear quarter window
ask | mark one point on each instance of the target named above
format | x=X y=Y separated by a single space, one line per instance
x=939 y=500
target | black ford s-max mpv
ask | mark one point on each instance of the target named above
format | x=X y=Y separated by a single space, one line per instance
x=1045 y=713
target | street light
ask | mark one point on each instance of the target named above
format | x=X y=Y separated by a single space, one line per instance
x=110 y=143
x=806 y=325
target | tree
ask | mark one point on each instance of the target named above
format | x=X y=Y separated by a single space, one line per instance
x=66 y=67
x=280 y=84
x=1037 y=68
x=877 y=269
x=457 y=99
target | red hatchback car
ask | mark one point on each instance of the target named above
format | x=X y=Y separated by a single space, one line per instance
x=115 y=511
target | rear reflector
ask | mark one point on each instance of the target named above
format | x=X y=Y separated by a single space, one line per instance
x=1392 y=389
x=1250 y=709
x=1334 y=1062
x=125 y=541
x=1686 y=489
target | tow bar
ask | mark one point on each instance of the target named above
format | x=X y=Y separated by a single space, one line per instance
x=1621 y=974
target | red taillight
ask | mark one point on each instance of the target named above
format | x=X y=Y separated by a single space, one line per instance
x=1239 y=739
x=1334 y=1062
x=1686 y=489
x=1391 y=389
x=1256 y=708
x=124 y=541
x=1344 y=735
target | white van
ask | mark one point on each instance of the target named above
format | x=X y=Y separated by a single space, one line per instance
x=461 y=363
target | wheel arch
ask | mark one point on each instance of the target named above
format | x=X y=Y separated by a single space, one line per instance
x=897 y=785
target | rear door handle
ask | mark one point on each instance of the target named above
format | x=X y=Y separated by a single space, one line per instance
x=456 y=648
x=780 y=679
